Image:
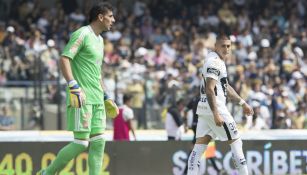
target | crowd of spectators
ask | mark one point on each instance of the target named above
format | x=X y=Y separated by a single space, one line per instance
x=155 y=51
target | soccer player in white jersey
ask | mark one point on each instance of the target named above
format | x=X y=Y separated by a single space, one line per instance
x=214 y=120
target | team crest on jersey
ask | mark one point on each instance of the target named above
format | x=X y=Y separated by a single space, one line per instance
x=214 y=71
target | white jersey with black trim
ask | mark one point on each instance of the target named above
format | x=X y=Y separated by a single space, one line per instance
x=215 y=68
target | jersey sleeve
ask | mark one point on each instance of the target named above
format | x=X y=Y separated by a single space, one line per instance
x=212 y=69
x=127 y=114
x=74 y=45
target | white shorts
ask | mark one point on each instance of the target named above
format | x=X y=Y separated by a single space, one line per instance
x=207 y=126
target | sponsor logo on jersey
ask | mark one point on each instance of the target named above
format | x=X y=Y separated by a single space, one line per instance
x=214 y=71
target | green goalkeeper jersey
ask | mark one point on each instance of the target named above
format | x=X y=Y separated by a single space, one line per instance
x=85 y=50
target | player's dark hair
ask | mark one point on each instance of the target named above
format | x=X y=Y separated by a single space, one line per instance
x=180 y=101
x=99 y=8
x=127 y=97
x=222 y=37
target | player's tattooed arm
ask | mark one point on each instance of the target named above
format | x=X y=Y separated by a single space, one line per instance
x=66 y=68
x=103 y=86
x=210 y=93
x=233 y=95
x=106 y=96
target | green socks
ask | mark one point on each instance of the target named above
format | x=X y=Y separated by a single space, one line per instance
x=95 y=155
x=70 y=151
x=66 y=154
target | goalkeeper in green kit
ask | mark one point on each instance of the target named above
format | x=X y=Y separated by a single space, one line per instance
x=87 y=105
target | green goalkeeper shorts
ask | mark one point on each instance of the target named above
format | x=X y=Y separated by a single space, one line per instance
x=88 y=118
